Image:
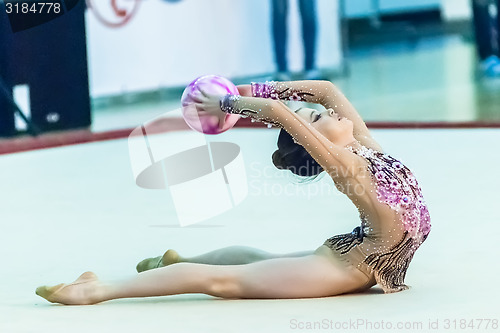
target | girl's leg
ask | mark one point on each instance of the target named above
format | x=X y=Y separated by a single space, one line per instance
x=231 y=255
x=239 y=255
x=309 y=276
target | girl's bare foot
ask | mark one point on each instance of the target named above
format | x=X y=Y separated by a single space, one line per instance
x=87 y=289
x=170 y=257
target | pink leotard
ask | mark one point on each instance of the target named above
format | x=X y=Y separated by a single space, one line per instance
x=389 y=234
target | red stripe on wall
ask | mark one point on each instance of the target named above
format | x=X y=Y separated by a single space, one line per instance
x=52 y=140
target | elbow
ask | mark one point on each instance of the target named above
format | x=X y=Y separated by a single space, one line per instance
x=329 y=86
x=328 y=90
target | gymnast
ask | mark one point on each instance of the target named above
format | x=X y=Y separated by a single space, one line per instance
x=394 y=219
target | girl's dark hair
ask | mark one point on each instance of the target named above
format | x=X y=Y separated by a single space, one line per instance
x=292 y=156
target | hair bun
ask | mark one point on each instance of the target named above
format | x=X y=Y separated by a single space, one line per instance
x=294 y=157
x=278 y=160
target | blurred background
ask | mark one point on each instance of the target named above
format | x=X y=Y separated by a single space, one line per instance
x=98 y=69
x=110 y=65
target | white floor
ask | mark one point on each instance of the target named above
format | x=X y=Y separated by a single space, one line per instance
x=76 y=208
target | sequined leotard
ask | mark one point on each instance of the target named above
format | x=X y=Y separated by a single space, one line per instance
x=394 y=217
x=396 y=187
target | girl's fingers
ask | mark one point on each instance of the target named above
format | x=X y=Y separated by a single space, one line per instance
x=196 y=98
x=203 y=93
x=198 y=107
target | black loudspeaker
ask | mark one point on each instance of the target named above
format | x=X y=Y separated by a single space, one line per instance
x=51 y=59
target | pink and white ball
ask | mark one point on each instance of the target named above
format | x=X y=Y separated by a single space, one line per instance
x=201 y=121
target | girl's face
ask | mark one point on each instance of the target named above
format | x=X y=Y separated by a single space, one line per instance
x=337 y=129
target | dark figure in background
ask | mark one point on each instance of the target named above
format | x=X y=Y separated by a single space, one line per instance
x=307 y=10
x=486 y=28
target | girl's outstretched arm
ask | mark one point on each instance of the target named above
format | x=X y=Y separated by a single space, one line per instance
x=333 y=159
x=318 y=92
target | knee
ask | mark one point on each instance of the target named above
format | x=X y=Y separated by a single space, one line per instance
x=227 y=285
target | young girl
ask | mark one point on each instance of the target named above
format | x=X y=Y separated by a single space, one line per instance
x=394 y=219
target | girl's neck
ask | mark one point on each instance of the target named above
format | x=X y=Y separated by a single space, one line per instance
x=354 y=144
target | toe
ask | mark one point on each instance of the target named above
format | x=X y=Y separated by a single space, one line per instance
x=41 y=291
x=46 y=292
x=148 y=264
x=141 y=266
